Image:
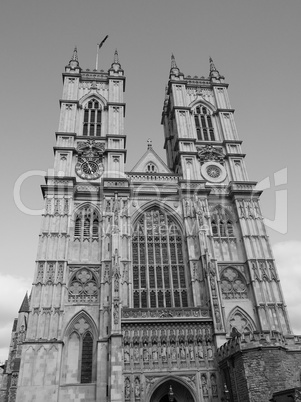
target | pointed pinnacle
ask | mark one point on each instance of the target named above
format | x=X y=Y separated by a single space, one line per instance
x=212 y=66
x=74 y=55
x=116 y=58
x=173 y=62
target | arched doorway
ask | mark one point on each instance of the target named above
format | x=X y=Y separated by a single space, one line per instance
x=180 y=392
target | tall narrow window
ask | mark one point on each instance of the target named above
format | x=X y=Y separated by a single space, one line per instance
x=86 y=224
x=203 y=124
x=159 y=275
x=87 y=355
x=92 y=119
x=80 y=348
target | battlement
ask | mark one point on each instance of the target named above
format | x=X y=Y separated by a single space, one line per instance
x=264 y=339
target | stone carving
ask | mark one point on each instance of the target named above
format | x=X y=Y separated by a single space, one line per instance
x=210 y=153
x=213 y=384
x=116 y=312
x=127 y=354
x=137 y=390
x=204 y=384
x=127 y=388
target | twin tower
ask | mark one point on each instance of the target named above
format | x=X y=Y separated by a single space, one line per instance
x=156 y=284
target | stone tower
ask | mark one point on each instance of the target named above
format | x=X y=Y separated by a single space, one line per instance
x=143 y=276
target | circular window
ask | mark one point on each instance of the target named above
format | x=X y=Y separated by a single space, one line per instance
x=213 y=172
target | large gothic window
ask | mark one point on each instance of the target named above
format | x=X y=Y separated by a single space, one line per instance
x=86 y=226
x=92 y=119
x=203 y=123
x=223 y=235
x=159 y=276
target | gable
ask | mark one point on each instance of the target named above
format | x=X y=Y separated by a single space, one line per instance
x=150 y=162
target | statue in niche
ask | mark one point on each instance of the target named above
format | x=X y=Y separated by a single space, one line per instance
x=209 y=350
x=136 y=353
x=145 y=352
x=155 y=352
x=173 y=352
x=137 y=388
x=182 y=351
x=200 y=350
x=212 y=284
x=191 y=351
x=204 y=385
x=163 y=352
x=127 y=388
x=213 y=384
x=126 y=354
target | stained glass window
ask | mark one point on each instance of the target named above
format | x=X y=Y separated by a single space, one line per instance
x=159 y=275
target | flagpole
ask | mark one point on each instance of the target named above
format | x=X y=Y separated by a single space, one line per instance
x=96 y=64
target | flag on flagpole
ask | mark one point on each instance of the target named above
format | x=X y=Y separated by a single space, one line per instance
x=102 y=42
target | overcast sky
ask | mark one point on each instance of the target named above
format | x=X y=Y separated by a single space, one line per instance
x=255 y=45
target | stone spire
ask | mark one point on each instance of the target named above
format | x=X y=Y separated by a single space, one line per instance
x=73 y=63
x=25 y=305
x=214 y=73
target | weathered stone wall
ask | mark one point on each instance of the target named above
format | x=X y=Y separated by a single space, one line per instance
x=259 y=367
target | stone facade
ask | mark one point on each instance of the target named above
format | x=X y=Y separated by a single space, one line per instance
x=143 y=276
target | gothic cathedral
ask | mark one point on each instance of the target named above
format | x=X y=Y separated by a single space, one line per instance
x=156 y=284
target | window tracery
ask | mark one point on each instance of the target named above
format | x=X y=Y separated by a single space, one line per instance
x=92 y=119
x=83 y=287
x=233 y=284
x=223 y=234
x=87 y=224
x=159 y=277
x=203 y=123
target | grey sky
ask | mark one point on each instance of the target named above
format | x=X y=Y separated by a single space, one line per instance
x=255 y=44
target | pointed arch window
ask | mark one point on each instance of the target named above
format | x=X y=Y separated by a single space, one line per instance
x=87 y=224
x=203 y=124
x=80 y=349
x=92 y=119
x=159 y=275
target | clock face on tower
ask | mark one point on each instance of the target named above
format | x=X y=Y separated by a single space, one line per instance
x=89 y=165
x=88 y=169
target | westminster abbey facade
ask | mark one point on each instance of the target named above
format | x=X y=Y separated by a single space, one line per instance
x=156 y=284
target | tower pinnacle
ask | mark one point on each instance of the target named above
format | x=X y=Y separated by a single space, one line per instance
x=73 y=63
x=173 y=62
x=116 y=57
x=214 y=73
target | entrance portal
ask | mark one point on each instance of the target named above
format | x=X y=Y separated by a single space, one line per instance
x=180 y=392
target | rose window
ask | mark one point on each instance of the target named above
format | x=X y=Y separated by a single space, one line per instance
x=213 y=171
x=83 y=287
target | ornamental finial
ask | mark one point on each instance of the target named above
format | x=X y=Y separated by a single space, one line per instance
x=173 y=62
x=116 y=57
x=74 y=59
x=149 y=144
